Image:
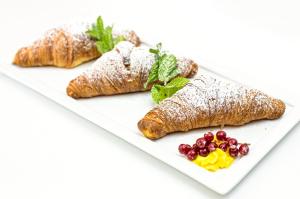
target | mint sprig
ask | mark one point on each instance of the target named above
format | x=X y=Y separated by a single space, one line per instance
x=103 y=35
x=162 y=73
x=153 y=75
x=159 y=92
x=164 y=67
x=167 y=68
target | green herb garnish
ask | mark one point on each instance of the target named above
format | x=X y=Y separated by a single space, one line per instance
x=159 y=92
x=163 y=71
x=104 y=39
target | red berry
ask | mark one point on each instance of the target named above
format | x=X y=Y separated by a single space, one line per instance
x=221 y=135
x=195 y=148
x=212 y=146
x=184 y=148
x=244 y=149
x=203 y=152
x=233 y=151
x=223 y=146
x=201 y=142
x=209 y=136
x=191 y=155
x=232 y=141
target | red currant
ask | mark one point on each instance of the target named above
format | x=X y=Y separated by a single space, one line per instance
x=221 y=135
x=244 y=149
x=232 y=141
x=184 y=148
x=233 y=151
x=223 y=146
x=203 y=152
x=191 y=155
x=195 y=148
x=209 y=136
x=212 y=146
x=201 y=142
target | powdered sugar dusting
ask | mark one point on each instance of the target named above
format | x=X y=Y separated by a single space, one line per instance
x=77 y=34
x=126 y=64
x=207 y=96
x=76 y=31
x=141 y=62
x=123 y=62
x=129 y=35
x=125 y=48
x=109 y=66
x=67 y=36
x=79 y=37
x=184 y=65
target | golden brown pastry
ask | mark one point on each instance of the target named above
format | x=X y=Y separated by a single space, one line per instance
x=64 y=47
x=207 y=102
x=125 y=69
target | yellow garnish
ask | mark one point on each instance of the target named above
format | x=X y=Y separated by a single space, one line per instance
x=215 y=160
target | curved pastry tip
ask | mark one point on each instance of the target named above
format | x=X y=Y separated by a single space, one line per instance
x=21 y=58
x=151 y=129
x=72 y=91
x=279 y=109
x=194 y=69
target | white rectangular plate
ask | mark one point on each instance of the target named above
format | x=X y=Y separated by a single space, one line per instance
x=120 y=114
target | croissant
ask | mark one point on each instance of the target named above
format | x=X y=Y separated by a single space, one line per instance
x=208 y=102
x=65 y=47
x=125 y=69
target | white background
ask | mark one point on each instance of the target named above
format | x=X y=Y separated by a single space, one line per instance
x=48 y=152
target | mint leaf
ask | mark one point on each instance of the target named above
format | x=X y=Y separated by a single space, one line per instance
x=157 y=50
x=100 y=27
x=154 y=51
x=96 y=32
x=178 y=82
x=93 y=33
x=102 y=46
x=153 y=75
x=167 y=69
x=159 y=92
x=108 y=39
x=103 y=35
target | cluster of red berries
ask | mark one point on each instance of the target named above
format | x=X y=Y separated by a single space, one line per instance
x=206 y=144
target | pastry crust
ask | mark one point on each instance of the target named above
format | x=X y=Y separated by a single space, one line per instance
x=208 y=102
x=65 y=47
x=122 y=70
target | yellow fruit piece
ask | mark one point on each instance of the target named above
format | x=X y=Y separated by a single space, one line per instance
x=215 y=160
x=222 y=158
x=229 y=161
x=212 y=158
x=212 y=167
x=199 y=160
